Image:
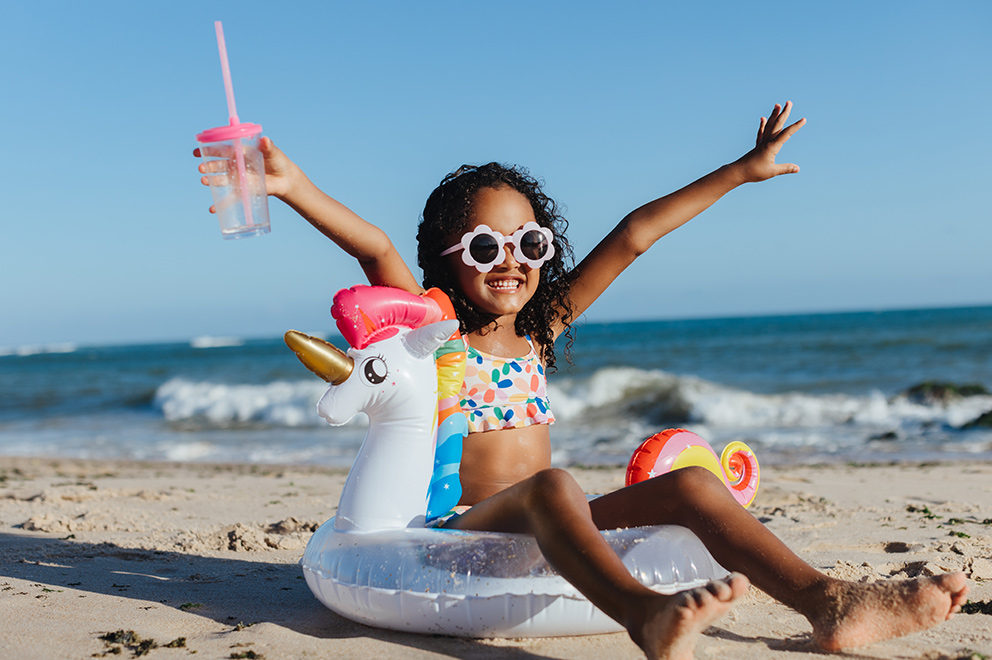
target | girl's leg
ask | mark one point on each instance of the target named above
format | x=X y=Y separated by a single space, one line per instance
x=843 y=614
x=551 y=506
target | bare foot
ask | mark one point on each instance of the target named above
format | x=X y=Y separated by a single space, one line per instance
x=857 y=614
x=668 y=626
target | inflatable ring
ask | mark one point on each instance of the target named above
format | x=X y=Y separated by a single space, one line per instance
x=484 y=584
x=376 y=561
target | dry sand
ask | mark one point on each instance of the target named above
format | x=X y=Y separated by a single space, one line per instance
x=205 y=557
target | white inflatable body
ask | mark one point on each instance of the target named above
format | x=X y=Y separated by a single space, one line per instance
x=377 y=564
x=483 y=584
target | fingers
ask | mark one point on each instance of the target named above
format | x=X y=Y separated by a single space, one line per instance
x=772 y=128
x=214 y=166
x=781 y=117
x=276 y=161
x=784 y=136
x=759 y=163
x=271 y=152
x=216 y=173
x=217 y=180
x=217 y=170
x=214 y=151
x=772 y=119
x=761 y=131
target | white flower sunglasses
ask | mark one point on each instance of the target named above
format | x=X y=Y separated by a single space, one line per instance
x=483 y=247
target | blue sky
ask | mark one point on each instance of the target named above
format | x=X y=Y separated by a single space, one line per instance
x=106 y=236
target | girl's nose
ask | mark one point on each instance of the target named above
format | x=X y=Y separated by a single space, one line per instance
x=508 y=261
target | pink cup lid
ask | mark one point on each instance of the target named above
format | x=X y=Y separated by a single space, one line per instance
x=224 y=133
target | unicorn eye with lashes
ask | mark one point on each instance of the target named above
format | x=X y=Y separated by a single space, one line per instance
x=374 y=370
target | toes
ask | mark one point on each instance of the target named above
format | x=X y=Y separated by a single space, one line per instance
x=953 y=582
x=699 y=598
x=720 y=590
x=725 y=591
x=956 y=585
x=739 y=584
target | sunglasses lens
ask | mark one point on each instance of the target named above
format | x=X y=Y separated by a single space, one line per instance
x=484 y=249
x=534 y=244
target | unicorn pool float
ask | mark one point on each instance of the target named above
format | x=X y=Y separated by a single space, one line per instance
x=378 y=562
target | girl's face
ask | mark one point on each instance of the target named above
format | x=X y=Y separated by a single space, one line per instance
x=508 y=286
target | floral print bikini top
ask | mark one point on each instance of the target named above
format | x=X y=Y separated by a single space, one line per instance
x=504 y=393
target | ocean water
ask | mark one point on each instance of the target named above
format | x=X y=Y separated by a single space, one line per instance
x=810 y=388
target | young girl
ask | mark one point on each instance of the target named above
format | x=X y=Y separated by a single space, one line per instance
x=493 y=242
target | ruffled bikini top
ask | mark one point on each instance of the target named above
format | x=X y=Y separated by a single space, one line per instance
x=504 y=393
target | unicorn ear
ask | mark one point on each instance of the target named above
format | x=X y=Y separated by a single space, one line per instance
x=422 y=342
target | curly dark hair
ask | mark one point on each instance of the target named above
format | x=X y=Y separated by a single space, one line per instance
x=448 y=212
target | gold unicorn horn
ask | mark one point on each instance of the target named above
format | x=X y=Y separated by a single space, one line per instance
x=320 y=357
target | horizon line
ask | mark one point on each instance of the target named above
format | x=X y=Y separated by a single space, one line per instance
x=17 y=350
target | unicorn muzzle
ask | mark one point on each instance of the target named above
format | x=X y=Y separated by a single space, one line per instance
x=320 y=357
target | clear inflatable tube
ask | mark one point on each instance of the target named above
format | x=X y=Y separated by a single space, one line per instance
x=484 y=584
x=381 y=566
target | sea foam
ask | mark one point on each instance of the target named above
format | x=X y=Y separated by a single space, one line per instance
x=654 y=398
x=38 y=349
x=282 y=403
x=620 y=398
x=216 y=342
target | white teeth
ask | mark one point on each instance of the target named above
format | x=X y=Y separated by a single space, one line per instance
x=504 y=285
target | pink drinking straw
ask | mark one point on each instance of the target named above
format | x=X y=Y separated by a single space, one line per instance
x=232 y=111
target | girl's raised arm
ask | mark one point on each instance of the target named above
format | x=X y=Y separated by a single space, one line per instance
x=361 y=239
x=642 y=227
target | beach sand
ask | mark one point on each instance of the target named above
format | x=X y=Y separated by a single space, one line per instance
x=204 y=557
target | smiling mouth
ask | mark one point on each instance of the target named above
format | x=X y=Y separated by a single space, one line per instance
x=504 y=285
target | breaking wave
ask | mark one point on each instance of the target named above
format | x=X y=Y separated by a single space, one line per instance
x=610 y=397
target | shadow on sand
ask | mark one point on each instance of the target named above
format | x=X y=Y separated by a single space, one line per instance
x=229 y=591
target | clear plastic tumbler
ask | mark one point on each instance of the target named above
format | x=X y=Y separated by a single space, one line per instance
x=238 y=185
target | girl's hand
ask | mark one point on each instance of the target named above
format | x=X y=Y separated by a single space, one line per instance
x=759 y=163
x=279 y=170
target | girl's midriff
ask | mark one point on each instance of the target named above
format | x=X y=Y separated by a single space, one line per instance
x=495 y=460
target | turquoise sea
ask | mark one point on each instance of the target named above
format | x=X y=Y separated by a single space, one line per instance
x=805 y=388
